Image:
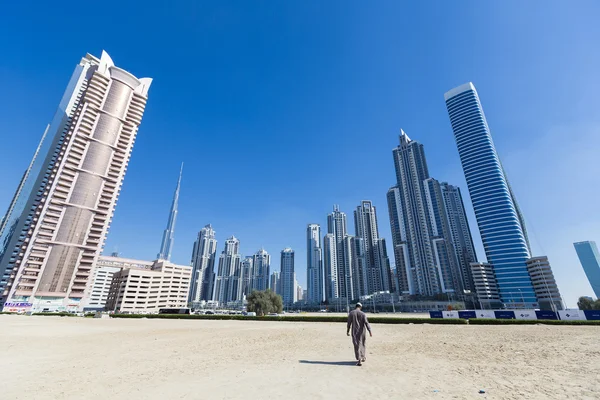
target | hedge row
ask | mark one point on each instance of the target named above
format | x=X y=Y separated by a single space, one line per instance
x=374 y=320
x=491 y=321
x=339 y=319
x=55 y=314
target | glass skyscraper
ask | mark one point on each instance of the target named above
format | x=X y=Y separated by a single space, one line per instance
x=590 y=261
x=500 y=222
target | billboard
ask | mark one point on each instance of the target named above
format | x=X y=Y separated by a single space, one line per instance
x=546 y=314
x=525 y=314
x=486 y=314
x=592 y=315
x=505 y=314
x=450 y=314
x=572 y=315
x=436 y=314
x=17 y=307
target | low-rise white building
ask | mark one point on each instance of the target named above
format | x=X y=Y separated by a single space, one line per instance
x=163 y=285
x=544 y=283
x=105 y=268
x=486 y=286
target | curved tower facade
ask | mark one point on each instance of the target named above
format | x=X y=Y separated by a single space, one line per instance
x=65 y=212
x=498 y=217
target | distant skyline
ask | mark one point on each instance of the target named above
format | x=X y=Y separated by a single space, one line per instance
x=269 y=105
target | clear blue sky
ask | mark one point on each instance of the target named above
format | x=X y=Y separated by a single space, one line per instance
x=281 y=109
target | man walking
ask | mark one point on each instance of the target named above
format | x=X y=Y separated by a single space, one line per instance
x=357 y=320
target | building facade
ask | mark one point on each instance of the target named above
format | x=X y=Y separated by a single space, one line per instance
x=246 y=274
x=315 y=276
x=544 y=284
x=164 y=285
x=462 y=241
x=486 y=286
x=106 y=267
x=275 y=285
x=227 y=287
x=262 y=270
x=424 y=256
x=375 y=274
x=60 y=220
x=590 y=261
x=203 y=265
x=168 y=237
x=498 y=217
x=337 y=262
x=288 y=277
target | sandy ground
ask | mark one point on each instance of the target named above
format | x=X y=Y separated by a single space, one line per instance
x=82 y=358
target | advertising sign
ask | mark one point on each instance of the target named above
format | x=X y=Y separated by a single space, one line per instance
x=17 y=307
x=486 y=314
x=592 y=315
x=450 y=314
x=436 y=314
x=525 y=314
x=572 y=315
x=505 y=314
x=467 y=314
x=546 y=314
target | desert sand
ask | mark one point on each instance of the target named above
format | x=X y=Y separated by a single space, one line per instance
x=82 y=358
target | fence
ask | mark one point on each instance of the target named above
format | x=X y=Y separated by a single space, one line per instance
x=567 y=315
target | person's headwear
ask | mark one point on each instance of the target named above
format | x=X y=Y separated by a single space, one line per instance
x=358 y=305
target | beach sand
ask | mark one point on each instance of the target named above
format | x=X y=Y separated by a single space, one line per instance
x=83 y=358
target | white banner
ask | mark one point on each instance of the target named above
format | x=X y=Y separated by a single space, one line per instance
x=525 y=314
x=572 y=315
x=486 y=314
x=450 y=314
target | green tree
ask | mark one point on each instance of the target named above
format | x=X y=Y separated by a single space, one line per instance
x=264 y=302
x=585 y=303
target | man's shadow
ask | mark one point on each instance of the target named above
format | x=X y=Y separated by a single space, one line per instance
x=338 y=363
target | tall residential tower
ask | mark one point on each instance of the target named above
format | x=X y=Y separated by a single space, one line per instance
x=288 y=277
x=314 y=269
x=203 y=265
x=261 y=270
x=59 y=220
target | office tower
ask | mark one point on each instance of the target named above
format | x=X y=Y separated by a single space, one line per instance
x=169 y=234
x=203 y=265
x=329 y=267
x=60 y=218
x=338 y=265
x=261 y=271
x=315 y=277
x=589 y=257
x=129 y=288
x=288 y=276
x=424 y=256
x=486 y=287
x=544 y=284
x=227 y=280
x=462 y=240
x=498 y=217
x=246 y=273
x=276 y=282
x=375 y=275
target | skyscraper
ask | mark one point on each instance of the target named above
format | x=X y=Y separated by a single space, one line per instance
x=246 y=276
x=59 y=219
x=227 y=288
x=329 y=266
x=203 y=265
x=338 y=265
x=498 y=217
x=590 y=261
x=169 y=233
x=261 y=270
x=462 y=240
x=425 y=259
x=375 y=275
x=275 y=285
x=288 y=276
x=314 y=269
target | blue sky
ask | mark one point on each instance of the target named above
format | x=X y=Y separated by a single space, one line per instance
x=282 y=109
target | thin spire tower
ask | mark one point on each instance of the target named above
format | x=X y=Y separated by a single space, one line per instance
x=169 y=233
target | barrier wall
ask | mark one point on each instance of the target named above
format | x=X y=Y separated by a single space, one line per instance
x=569 y=315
